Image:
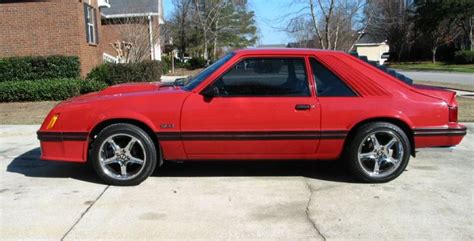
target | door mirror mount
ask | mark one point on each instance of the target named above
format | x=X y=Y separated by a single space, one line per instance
x=210 y=92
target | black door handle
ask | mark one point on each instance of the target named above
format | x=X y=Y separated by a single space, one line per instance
x=302 y=107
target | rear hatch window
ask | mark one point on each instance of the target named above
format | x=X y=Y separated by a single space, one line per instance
x=385 y=69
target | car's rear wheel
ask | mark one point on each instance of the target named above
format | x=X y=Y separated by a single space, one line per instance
x=123 y=154
x=378 y=152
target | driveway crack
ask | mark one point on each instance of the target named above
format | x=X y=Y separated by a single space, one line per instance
x=84 y=213
x=308 y=216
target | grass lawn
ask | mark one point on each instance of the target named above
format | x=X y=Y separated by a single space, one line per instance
x=25 y=112
x=466 y=109
x=184 y=72
x=446 y=85
x=466 y=68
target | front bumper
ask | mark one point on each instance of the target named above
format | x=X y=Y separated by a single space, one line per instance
x=63 y=146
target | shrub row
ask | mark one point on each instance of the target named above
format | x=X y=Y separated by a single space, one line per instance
x=112 y=74
x=37 y=67
x=52 y=89
x=196 y=63
x=464 y=57
x=165 y=64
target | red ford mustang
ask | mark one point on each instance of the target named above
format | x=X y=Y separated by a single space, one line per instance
x=257 y=104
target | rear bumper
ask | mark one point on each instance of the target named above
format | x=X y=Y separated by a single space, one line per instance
x=444 y=136
x=63 y=146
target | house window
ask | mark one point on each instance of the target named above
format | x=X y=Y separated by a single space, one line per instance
x=91 y=26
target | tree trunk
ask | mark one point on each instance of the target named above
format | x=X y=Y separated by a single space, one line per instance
x=328 y=24
x=315 y=24
x=214 y=52
x=205 y=55
x=433 y=51
x=336 y=38
x=399 y=52
x=471 y=40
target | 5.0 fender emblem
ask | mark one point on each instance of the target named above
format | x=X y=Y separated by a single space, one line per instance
x=166 y=126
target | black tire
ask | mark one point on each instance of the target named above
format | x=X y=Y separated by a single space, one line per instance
x=147 y=149
x=351 y=154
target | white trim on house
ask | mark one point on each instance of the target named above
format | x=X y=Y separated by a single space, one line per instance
x=161 y=17
x=129 y=15
x=370 y=44
x=108 y=58
x=104 y=3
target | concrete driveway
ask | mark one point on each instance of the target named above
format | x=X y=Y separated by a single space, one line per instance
x=444 y=77
x=432 y=200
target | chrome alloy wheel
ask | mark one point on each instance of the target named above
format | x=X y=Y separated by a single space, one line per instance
x=122 y=156
x=380 y=153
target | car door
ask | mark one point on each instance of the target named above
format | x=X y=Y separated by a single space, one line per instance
x=262 y=107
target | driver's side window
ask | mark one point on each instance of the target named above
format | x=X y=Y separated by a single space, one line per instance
x=264 y=77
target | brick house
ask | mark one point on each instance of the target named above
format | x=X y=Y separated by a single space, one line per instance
x=72 y=27
x=136 y=20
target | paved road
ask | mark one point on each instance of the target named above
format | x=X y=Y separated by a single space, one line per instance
x=455 y=78
x=432 y=200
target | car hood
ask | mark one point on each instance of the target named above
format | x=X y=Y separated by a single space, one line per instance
x=130 y=88
x=127 y=89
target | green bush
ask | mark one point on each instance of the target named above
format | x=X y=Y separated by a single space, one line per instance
x=37 y=67
x=181 y=64
x=88 y=86
x=464 y=57
x=166 y=64
x=52 y=89
x=112 y=74
x=196 y=63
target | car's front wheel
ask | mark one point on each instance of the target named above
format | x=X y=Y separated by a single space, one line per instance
x=123 y=154
x=378 y=152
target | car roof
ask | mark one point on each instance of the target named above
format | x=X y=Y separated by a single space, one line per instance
x=282 y=51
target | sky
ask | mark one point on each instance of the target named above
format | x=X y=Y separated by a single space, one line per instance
x=267 y=13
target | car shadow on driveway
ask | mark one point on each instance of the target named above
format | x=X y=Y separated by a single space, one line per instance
x=29 y=164
x=322 y=170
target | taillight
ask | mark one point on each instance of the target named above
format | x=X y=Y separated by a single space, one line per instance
x=453 y=113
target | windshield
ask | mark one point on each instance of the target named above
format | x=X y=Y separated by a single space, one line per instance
x=199 y=78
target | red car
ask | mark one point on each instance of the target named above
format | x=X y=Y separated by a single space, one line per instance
x=257 y=104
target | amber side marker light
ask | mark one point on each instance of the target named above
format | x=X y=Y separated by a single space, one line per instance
x=52 y=122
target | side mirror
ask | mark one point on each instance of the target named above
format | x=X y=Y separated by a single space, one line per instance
x=210 y=92
x=180 y=82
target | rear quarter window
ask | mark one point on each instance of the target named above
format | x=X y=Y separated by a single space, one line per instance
x=327 y=83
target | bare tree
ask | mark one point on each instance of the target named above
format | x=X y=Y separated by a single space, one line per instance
x=298 y=29
x=466 y=23
x=442 y=34
x=136 y=31
x=437 y=24
x=207 y=15
x=334 y=24
x=392 y=21
x=182 y=17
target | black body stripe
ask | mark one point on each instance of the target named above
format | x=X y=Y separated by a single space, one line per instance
x=440 y=132
x=62 y=136
x=275 y=135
